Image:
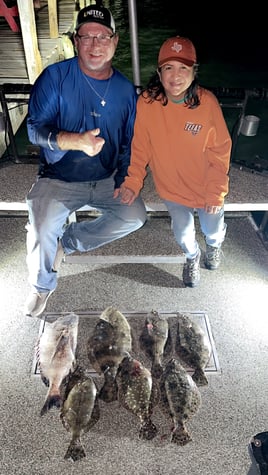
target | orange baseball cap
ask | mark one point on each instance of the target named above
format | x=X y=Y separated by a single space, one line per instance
x=177 y=48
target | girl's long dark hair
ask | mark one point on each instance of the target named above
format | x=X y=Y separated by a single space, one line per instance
x=154 y=91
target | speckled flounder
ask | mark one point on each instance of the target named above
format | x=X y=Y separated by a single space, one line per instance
x=55 y=353
x=79 y=375
x=180 y=399
x=154 y=340
x=193 y=347
x=76 y=415
x=110 y=341
x=134 y=393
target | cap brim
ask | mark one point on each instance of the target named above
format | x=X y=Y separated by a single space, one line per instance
x=187 y=62
x=95 y=21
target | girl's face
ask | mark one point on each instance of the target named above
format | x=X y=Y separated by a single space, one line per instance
x=176 y=77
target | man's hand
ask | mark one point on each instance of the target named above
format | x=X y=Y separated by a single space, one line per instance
x=127 y=195
x=87 y=142
x=212 y=209
x=90 y=143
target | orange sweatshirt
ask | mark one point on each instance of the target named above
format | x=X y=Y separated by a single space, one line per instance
x=187 y=150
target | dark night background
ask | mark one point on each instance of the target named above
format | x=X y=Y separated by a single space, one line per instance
x=223 y=34
x=221 y=31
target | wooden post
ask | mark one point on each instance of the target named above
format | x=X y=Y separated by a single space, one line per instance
x=53 y=19
x=29 y=36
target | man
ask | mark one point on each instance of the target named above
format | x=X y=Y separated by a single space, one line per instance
x=81 y=114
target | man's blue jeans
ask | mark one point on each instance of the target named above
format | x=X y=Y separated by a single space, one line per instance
x=50 y=202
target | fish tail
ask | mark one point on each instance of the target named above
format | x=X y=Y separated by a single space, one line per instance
x=75 y=450
x=157 y=370
x=109 y=391
x=53 y=400
x=180 y=436
x=147 y=430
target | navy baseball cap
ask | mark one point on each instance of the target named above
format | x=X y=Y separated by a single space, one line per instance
x=95 y=14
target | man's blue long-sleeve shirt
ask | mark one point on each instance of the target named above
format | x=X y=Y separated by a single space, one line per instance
x=62 y=99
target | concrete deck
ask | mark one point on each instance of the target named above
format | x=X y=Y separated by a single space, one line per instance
x=234 y=404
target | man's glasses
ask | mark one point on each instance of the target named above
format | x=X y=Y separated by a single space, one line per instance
x=88 y=39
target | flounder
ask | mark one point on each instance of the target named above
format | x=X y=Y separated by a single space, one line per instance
x=76 y=415
x=55 y=354
x=79 y=375
x=110 y=341
x=193 y=347
x=134 y=383
x=154 y=340
x=180 y=399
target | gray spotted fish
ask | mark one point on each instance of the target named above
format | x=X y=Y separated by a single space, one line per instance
x=180 y=399
x=109 y=342
x=134 y=393
x=193 y=347
x=55 y=354
x=154 y=340
x=76 y=415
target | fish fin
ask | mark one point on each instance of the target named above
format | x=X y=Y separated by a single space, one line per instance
x=168 y=348
x=95 y=415
x=72 y=343
x=75 y=450
x=37 y=349
x=65 y=423
x=51 y=401
x=200 y=378
x=134 y=341
x=44 y=380
x=93 y=361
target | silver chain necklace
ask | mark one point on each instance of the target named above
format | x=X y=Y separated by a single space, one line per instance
x=103 y=102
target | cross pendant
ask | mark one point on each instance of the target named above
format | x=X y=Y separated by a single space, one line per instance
x=103 y=102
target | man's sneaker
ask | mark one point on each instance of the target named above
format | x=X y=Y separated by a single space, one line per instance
x=36 y=303
x=191 y=271
x=59 y=257
x=212 y=257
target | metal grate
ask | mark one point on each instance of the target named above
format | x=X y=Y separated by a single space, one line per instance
x=87 y=321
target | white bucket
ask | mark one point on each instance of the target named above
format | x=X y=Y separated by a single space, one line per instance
x=250 y=125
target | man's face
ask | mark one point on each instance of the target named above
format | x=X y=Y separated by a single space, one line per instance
x=95 y=46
